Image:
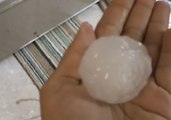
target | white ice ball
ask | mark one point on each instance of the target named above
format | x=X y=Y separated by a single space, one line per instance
x=115 y=69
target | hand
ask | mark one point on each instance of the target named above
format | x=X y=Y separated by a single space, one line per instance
x=65 y=98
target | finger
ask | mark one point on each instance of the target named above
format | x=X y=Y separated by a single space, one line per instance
x=135 y=112
x=114 y=18
x=163 y=73
x=155 y=99
x=137 y=22
x=157 y=26
x=72 y=58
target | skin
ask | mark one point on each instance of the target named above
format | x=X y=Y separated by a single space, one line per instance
x=63 y=97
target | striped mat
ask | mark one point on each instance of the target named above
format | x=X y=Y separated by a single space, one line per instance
x=43 y=56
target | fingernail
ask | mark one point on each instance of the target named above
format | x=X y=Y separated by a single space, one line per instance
x=87 y=24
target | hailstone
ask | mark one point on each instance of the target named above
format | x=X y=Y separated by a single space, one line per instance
x=115 y=69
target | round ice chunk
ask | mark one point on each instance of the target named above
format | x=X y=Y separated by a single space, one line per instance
x=115 y=69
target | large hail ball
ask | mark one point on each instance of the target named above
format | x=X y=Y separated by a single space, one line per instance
x=115 y=69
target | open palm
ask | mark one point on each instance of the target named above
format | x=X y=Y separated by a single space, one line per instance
x=64 y=96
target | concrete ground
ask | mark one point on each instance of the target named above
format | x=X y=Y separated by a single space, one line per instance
x=19 y=98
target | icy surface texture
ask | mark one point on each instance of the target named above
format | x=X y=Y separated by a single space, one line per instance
x=115 y=69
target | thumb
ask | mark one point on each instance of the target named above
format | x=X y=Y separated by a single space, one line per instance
x=72 y=58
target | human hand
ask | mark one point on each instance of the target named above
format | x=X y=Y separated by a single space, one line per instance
x=65 y=98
